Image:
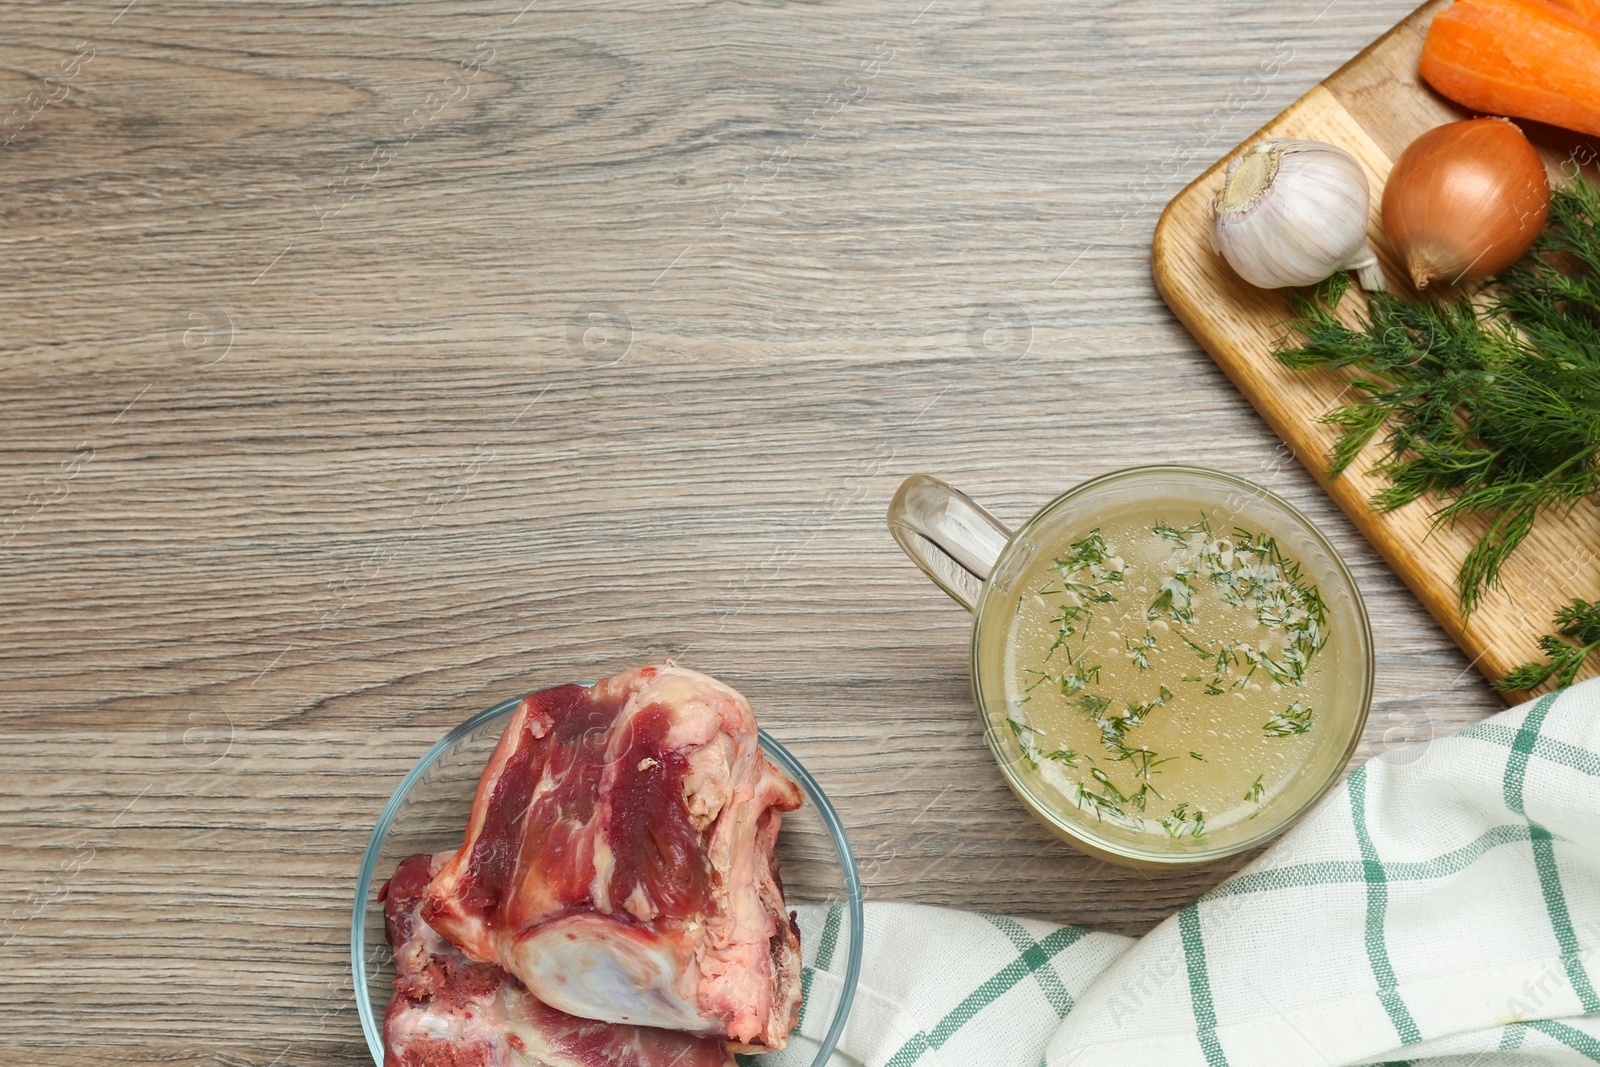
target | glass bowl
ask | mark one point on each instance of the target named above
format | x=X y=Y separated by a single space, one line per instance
x=428 y=813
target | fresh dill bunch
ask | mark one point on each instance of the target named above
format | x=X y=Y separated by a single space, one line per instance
x=1497 y=410
x=1577 y=634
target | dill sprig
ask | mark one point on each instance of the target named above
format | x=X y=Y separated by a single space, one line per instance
x=1290 y=722
x=1175 y=599
x=1033 y=754
x=1577 y=634
x=1139 y=651
x=1185 y=822
x=1497 y=411
x=1093 y=703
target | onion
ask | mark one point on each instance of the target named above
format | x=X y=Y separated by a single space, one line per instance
x=1465 y=200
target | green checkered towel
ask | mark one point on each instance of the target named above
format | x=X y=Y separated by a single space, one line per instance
x=1443 y=906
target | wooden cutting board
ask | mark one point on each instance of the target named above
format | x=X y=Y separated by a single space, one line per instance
x=1373 y=106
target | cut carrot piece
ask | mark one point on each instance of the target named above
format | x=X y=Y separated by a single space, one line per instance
x=1580 y=14
x=1589 y=9
x=1527 y=58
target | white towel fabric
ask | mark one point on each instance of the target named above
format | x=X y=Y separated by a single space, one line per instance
x=1443 y=905
x=944 y=987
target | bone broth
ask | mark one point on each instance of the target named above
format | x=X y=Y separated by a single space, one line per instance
x=1164 y=676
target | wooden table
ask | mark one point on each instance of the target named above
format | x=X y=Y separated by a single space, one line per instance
x=366 y=364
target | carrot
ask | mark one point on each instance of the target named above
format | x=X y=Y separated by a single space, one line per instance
x=1589 y=9
x=1527 y=58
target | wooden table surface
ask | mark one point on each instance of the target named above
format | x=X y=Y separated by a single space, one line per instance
x=365 y=364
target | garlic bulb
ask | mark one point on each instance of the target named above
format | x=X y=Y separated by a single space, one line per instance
x=1292 y=213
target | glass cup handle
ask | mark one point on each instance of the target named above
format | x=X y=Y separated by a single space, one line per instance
x=953 y=540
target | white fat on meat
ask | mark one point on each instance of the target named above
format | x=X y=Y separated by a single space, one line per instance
x=448 y=1009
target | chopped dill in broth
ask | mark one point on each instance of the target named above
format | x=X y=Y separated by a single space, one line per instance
x=1167 y=677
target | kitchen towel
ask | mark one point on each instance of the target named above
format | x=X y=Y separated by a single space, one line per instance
x=943 y=987
x=1442 y=906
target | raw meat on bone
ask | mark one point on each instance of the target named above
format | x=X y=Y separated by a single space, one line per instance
x=619 y=860
x=448 y=1011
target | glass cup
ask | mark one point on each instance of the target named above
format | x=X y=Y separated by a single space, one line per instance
x=981 y=564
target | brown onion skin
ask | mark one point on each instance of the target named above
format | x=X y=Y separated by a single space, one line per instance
x=1465 y=200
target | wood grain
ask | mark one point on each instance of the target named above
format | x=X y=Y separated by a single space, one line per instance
x=334 y=415
x=1373 y=107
